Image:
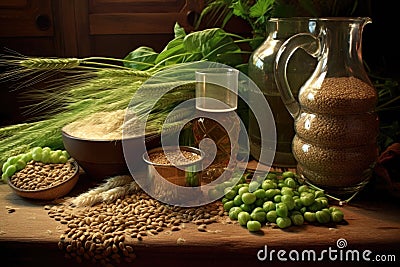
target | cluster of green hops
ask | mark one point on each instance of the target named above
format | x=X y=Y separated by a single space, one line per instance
x=279 y=200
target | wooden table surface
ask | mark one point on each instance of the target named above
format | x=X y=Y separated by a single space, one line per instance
x=29 y=237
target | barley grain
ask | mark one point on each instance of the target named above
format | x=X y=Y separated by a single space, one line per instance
x=101 y=229
x=50 y=63
x=175 y=228
x=335 y=143
x=43 y=176
x=202 y=228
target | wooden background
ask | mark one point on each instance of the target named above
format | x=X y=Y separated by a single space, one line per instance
x=113 y=28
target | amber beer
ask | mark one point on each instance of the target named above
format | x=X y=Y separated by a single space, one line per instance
x=217 y=125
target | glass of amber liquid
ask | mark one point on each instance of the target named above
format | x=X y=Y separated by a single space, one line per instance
x=216 y=127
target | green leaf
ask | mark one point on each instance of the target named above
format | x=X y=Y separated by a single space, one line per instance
x=141 y=58
x=179 y=31
x=174 y=52
x=260 y=8
x=228 y=16
x=212 y=13
x=194 y=41
x=256 y=41
x=240 y=9
x=244 y=68
x=213 y=45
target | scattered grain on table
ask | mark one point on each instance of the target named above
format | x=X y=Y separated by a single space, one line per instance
x=106 y=232
x=10 y=209
x=180 y=241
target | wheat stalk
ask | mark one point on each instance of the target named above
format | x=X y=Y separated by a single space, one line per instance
x=128 y=73
x=81 y=96
x=115 y=193
x=169 y=98
x=50 y=63
x=113 y=188
x=86 y=87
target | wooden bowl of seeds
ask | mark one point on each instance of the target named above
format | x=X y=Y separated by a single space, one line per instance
x=45 y=181
x=97 y=143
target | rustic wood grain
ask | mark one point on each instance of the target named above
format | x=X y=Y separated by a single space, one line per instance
x=18 y=18
x=369 y=224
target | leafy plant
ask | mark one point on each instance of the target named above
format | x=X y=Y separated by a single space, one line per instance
x=213 y=44
x=98 y=84
x=143 y=56
x=256 y=13
x=102 y=84
x=388 y=109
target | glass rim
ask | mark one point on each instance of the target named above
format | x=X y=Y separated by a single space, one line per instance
x=215 y=71
x=320 y=19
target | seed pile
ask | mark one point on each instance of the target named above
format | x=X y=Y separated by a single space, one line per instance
x=161 y=157
x=344 y=130
x=101 y=233
x=101 y=126
x=340 y=95
x=333 y=163
x=335 y=143
x=38 y=175
x=330 y=160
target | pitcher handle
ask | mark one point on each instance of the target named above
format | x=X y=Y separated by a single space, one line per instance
x=309 y=43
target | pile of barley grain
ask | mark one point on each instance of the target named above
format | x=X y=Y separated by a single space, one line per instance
x=333 y=166
x=338 y=130
x=161 y=158
x=335 y=143
x=37 y=175
x=101 y=233
x=340 y=96
x=106 y=125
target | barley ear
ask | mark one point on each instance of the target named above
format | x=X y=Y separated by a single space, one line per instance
x=50 y=63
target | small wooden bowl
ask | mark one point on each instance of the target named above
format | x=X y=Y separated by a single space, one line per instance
x=53 y=192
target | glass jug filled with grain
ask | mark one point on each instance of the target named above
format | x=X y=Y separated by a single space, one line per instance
x=261 y=65
x=336 y=127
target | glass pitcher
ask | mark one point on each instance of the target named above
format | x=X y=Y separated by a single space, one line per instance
x=261 y=65
x=336 y=127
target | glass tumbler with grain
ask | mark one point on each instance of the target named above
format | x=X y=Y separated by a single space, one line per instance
x=216 y=127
